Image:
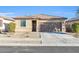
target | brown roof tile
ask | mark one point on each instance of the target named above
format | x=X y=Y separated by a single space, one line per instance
x=41 y=16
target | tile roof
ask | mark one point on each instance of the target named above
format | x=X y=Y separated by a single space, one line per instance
x=7 y=18
x=74 y=19
x=41 y=16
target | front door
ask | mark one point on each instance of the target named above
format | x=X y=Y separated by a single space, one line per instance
x=33 y=25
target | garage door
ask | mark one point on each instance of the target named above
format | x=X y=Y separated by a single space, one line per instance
x=50 y=27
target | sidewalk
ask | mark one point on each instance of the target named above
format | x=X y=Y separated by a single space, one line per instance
x=54 y=44
x=35 y=42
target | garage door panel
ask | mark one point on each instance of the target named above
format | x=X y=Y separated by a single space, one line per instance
x=50 y=27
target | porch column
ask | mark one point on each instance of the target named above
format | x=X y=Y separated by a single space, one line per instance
x=63 y=27
x=37 y=28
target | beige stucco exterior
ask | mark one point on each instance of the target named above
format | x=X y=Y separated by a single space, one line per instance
x=24 y=29
x=40 y=23
x=28 y=27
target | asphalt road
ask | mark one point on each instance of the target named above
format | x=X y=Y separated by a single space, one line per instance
x=38 y=49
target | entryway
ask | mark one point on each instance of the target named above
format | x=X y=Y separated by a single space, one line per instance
x=34 y=25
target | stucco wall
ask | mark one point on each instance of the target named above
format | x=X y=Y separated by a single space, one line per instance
x=3 y=23
x=26 y=29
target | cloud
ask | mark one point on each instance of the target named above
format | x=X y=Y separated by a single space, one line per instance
x=6 y=13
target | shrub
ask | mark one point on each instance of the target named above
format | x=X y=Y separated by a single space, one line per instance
x=0 y=30
x=11 y=27
x=75 y=27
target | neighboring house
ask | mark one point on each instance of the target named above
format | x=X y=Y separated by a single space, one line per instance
x=70 y=22
x=4 y=21
x=40 y=23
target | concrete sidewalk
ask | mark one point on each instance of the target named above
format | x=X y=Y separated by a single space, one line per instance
x=54 y=44
x=35 y=42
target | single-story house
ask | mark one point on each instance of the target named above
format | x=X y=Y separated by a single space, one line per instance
x=4 y=21
x=70 y=22
x=40 y=23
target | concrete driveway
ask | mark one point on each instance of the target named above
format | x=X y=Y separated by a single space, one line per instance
x=59 y=39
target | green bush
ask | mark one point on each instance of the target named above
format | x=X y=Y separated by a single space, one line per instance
x=11 y=27
x=75 y=27
x=0 y=31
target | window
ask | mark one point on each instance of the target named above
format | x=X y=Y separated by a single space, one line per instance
x=23 y=23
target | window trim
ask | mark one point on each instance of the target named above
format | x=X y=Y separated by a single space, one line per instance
x=23 y=23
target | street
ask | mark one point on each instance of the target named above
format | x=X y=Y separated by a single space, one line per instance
x=39 y=49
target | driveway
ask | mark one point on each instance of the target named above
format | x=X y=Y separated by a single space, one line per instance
x=59 y=39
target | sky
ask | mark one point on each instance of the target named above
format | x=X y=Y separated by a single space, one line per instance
x=64 y=11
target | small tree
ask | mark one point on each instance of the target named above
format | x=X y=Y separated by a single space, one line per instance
x=75 y=27
x=11 y=27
